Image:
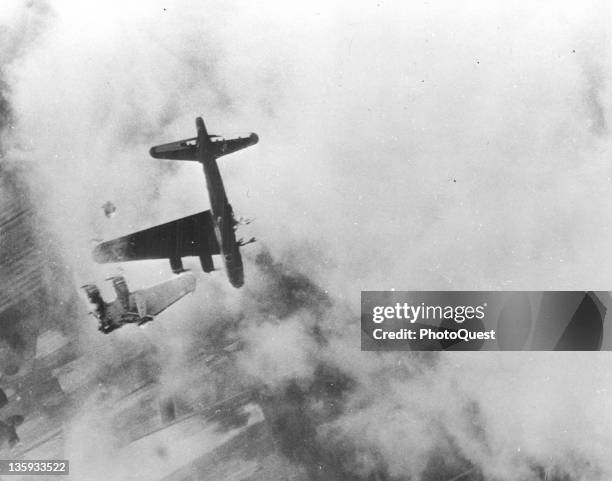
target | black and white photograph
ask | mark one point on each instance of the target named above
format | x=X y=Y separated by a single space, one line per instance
x=363 y=240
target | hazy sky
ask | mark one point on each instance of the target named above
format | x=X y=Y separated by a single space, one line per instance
x=453 y=145
x=406 y=145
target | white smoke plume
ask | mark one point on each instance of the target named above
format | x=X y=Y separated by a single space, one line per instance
x=403 y=145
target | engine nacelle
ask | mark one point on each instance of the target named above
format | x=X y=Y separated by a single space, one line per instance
x=94 y=296
x=176 y=264
x=122 y=291
x=206 y=261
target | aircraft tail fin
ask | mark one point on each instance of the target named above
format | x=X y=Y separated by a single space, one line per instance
x=201 y=128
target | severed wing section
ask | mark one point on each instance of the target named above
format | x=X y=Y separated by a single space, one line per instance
x=153 y=300
x=190 y=236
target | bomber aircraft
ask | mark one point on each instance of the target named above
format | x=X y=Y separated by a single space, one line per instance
x=203 y=234
x=140 y=306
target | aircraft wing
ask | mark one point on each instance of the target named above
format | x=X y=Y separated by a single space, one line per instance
x=153 y=300
x=190 y=236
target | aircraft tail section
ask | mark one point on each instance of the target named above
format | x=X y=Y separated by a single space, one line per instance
x=201 y=128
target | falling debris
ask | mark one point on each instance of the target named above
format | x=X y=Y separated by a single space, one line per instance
x=109 y=209
x=139 y=307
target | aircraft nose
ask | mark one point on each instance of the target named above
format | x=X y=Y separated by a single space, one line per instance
x=254 y=138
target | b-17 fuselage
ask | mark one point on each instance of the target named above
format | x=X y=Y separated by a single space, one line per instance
x=206 y=149
x=222 y=212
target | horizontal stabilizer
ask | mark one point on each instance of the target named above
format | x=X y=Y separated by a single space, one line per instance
x=222 y=146
x=216 y=146
x=190 y=236
x=181 y=150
